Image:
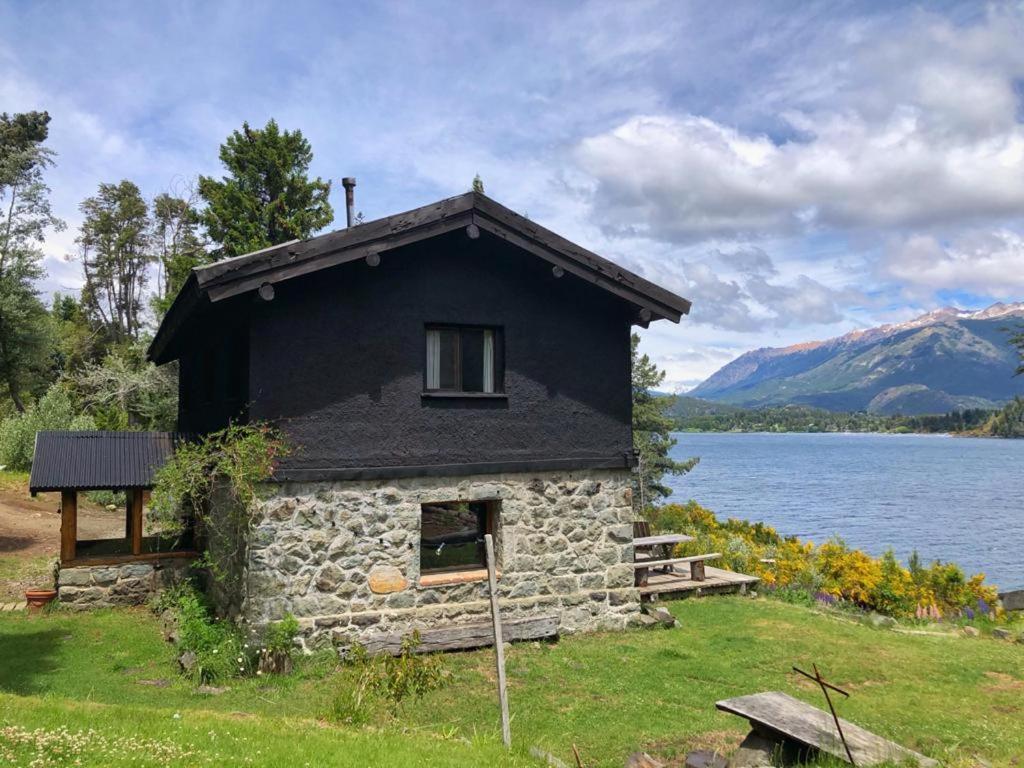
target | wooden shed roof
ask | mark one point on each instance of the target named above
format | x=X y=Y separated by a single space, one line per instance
x=98 y=460
x=231 y=277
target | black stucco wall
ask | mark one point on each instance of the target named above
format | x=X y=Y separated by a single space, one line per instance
x=337 y=361
x=213 y=378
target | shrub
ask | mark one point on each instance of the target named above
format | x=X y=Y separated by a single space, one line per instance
x=54 y=410
x=217 y=645
x=386 y=680
x=831 y=573
x=279 y=646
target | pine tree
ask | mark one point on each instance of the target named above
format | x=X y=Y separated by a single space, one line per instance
x=267 y=197
x=652 y=432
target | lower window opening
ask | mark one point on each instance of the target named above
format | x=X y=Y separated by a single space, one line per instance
x=452 y=535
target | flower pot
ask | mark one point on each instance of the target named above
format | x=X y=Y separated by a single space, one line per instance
x=37 y=598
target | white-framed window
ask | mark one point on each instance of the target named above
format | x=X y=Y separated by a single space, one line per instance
x=463 y=359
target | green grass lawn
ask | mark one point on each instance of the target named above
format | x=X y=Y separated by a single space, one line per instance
x=951 y=697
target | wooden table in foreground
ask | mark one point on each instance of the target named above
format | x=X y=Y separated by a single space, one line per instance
x=775 y=713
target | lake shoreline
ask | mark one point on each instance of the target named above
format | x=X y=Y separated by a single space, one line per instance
x=950 y=500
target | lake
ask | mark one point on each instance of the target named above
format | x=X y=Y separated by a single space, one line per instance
x=953 y=499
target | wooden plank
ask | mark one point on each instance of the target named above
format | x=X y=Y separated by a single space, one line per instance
x=499 y=646
x=68 y=525
x=674 y=560
x=463 y=636
x=663 y=538
x=135 y=501
x=118 y=559
x=781 y=714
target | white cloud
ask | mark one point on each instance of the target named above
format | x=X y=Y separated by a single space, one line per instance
x=687 y=178
x=920 y=127
x=985 y=263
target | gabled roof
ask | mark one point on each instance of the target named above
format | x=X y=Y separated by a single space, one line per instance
x=88 y=461
x=231 y=277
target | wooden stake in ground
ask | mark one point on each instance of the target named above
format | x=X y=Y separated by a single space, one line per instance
x=499 y=647
x=816 y=677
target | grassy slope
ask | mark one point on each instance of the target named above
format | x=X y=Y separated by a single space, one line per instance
x=611 y=694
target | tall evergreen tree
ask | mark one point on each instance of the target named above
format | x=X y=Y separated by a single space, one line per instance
x=178 y=246
x=652 y=432
x=267 y=197
x=115 y=251
x=25 y=214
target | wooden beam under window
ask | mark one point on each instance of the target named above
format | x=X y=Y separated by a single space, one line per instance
x=68 y=525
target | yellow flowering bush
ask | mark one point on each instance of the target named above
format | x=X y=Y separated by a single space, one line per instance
x=831 y=571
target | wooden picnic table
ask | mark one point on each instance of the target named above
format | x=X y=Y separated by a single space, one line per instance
x=664 y=541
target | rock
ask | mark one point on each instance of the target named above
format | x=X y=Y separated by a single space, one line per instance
x=154 y=683
x=645 y=621
x=1012 y=601
x=384 y=579
x=971 y=631
x=329 y=578
x=663 y=617
x=75 y=577
x=705 y=758
x=1000 y=633
x=881 y=620
x=211 y=690
x=642 y=760
x=754 y=752
x=187 y=661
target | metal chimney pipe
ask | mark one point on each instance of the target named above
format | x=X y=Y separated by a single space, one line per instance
x=349 y=183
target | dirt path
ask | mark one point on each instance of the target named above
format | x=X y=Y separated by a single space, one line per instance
x=30 y=536
x=31 y=527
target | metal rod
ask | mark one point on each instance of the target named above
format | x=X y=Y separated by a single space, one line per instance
x=499 y=648
x=824 y=689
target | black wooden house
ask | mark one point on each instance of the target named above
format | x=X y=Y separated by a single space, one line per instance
x=438 y=374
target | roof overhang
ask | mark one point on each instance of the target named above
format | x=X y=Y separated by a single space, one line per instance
x=242 y=274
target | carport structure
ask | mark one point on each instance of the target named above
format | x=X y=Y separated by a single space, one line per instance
x=72 y=462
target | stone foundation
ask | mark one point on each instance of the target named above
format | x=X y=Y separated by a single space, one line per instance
x=343 y=557
x=131 y=583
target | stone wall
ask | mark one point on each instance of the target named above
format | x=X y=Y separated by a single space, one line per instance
x=132 y=583
x=343 y=557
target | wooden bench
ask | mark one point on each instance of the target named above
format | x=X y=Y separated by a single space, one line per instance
x=642 y=567
x=778 y=716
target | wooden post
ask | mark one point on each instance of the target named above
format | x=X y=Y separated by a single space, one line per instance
x=68 y=525
x=499 y=647
x=697 y=570
x=135 y=496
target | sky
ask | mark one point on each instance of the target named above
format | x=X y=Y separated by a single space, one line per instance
x=797 y=170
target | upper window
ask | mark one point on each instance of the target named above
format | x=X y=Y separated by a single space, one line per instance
x=463 y=359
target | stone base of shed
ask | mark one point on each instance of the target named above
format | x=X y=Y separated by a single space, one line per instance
x=129 y=583
x=344 y=557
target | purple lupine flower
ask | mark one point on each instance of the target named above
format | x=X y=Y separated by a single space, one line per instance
x=969 y=613
x=983 y=607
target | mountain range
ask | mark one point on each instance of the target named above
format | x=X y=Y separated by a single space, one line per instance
x=946 y=360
